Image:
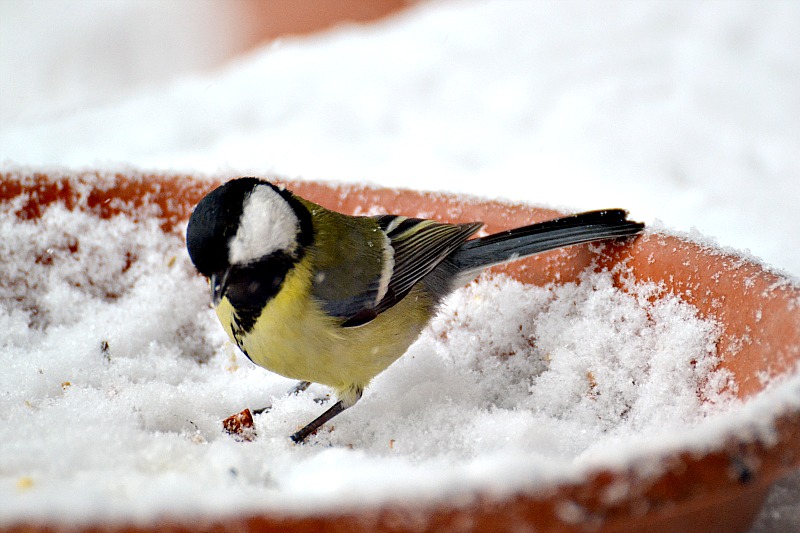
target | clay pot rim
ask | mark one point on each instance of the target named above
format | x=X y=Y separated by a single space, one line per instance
x=769 y=440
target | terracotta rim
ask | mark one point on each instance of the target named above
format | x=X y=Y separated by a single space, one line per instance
x=759 y=311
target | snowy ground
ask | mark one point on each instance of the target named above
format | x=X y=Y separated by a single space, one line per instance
x=687 y=113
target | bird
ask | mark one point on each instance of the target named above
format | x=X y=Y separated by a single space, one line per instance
x=325 y=297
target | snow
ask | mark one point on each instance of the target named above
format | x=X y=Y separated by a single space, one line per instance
x=105 y=354
x=684 y=113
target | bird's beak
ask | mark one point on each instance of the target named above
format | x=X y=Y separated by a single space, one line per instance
x=219 y=282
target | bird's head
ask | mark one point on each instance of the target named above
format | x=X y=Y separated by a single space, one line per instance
x=244 y=236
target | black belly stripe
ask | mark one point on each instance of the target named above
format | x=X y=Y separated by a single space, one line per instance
x=244 y=320
x=250 y=287
x=238 y=334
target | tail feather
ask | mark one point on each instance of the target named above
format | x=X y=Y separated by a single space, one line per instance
x=505 y=246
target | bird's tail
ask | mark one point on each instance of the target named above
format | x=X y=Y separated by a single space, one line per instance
x=505 y=246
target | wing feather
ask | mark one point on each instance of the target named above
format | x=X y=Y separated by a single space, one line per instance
x=417 y=246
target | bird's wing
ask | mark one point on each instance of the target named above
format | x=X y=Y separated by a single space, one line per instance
x=349 y=259
x=417 y=247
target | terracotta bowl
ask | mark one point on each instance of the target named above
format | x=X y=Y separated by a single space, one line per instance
x=720 y=489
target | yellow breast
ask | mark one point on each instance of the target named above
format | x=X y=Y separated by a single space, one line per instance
x=295 y=338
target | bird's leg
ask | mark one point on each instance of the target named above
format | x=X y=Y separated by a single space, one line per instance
x=300 y=387
x=311 y=428
x=349 y=397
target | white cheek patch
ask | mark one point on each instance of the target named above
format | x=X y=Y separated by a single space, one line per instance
x=268 y=224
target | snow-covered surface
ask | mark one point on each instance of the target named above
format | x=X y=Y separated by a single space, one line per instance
x=103 y=354
x=687 y=113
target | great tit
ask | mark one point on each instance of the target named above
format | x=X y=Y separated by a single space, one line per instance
x=324 y=297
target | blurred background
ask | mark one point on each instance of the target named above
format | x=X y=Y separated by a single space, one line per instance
x=686 y=113
x=683 y=112
x=56 y=56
